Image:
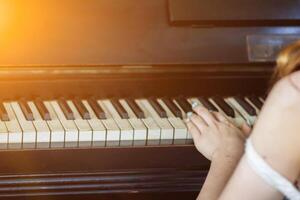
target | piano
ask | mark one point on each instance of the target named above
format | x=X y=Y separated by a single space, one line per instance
x=94 y=93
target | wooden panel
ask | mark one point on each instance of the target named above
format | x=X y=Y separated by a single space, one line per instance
x=95 y=196
x=52 y=160
x=139 y=82
x=117 y=32
x=101 y=171
x=235 y=12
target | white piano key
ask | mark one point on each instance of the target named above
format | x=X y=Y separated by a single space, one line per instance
x=43 y=134
x=189 y=139
x=182 y=111
x=238 y=120
x=57 y=131
x=248 y=118
x=85 y=131
x=71 y=131
x=113 y=134
x=29 y=133
x=153 y=136
x=99 y=131
x=123 y=124
x=140 y=130
x=180 y=130
x=15 y=133
x=167 y=131
x=14 y=130
x=3 y=135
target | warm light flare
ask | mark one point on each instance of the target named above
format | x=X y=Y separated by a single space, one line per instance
x=6 y=15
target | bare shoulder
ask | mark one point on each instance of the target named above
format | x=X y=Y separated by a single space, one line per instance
x=276 y=135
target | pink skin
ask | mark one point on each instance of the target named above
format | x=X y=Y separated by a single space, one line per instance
x=278 y=124
x=275 y=137
x=219 y=141
x=212 y=132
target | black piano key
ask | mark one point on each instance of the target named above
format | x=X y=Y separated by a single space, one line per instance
x=135 y=108
x=84 y=113
x=245 y=105
x=66 y=109
x=184 y=104
x=3 y=112
x=117 y=105
x=227 y=109
x=172 y=106
x=207 y=104
x=157 y=107
x=256 y=102
x=42 y=109
x=26 y=110
x=97 y=108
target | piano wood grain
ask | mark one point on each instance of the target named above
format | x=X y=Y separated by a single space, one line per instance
x=64 y=173
x=110 y=182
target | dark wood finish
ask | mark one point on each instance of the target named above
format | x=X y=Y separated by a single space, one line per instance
x=174 y=80
x=106 y=36
x=94 y=196
x=101 y=171
x=141 y=182
x=100 y=159
x=216 y=13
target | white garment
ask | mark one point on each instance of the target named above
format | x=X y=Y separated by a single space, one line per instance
x=272 y=177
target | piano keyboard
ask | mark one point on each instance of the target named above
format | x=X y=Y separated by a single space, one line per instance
x=90 y=122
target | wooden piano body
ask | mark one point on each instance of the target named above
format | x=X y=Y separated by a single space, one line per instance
x=129 y=48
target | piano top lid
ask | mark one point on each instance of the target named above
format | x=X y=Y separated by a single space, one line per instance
x=117 y=32
x=234 y=12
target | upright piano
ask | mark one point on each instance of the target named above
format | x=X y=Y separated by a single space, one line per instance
x=94 y=93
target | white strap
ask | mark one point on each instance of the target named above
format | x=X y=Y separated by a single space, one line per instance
x=272 y=177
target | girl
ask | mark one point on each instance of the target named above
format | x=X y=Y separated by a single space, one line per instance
x=270 y=166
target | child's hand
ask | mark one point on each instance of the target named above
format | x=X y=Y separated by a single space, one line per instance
x=213 y=133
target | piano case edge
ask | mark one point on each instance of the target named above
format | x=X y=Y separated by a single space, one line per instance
x=101 y=171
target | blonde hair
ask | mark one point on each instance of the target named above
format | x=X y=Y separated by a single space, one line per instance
x=288 y=61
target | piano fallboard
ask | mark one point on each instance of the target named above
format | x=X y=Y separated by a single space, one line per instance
x=51 y=82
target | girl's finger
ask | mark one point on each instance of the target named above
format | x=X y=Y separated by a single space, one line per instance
x=193 y=130
x=198 y=122
x=220 y=117
x=246 y=129
x=205 y=115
